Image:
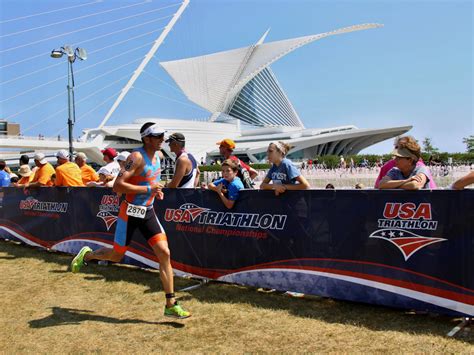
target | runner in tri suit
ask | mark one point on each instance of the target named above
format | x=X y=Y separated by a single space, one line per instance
x=139 y=181
x=186 y=172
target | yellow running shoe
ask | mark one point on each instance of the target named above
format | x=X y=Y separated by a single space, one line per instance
x=78 y=260
x=176 y=311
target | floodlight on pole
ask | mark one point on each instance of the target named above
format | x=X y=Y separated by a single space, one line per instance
x=72 y=54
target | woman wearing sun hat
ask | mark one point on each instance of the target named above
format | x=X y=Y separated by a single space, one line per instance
x=26 y=175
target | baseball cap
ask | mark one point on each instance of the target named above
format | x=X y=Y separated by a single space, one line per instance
x=404 y=153
x=178 y=137
x=227 y=143
x=41 y=158
x=81 y=155
x=154 y=130
x=110 y=152
x=63 y=154
x=123 y=156
x=25 y=170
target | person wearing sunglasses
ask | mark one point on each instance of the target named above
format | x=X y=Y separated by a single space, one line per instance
x=406 y=174
x=139 y=181
x=401 y=142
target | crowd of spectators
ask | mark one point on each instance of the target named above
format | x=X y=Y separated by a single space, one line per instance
x=73 y=172
x=405 y=171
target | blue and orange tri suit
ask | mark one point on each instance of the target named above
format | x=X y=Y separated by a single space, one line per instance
x=149 y=226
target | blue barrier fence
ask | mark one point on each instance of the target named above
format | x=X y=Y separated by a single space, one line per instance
x=407 y=249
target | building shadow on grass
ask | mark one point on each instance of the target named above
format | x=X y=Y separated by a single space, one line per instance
x=372 y=317
x=67 y=316
x=93 y=272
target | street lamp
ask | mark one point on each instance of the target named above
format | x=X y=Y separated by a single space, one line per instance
x=72 y=54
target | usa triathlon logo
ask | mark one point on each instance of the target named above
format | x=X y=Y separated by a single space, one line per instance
x=32 y=204
x=186 y=213
x=191 y=213
x=108 y=209
x=399 y=221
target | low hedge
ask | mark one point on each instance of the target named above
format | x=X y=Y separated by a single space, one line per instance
x=332 y=161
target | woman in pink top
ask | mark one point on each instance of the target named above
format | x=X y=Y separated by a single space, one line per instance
x=400 y=141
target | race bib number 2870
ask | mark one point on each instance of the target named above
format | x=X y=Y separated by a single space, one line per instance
x=136 y=211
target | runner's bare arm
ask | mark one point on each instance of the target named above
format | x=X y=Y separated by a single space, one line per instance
x=196 y=180
x=179 y=172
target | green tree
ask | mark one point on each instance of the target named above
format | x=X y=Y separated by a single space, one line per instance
x=469 y=142
x=428 y=146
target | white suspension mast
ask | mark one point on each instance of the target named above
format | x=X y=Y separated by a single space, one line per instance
x=145 y=61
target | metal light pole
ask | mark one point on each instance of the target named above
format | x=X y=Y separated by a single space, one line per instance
x=71 y=56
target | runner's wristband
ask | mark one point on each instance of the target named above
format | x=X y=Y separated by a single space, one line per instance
x=148 y=189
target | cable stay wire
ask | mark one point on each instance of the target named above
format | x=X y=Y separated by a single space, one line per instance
x=77 y=72
x=163 y=81
x=81 y=117
x=31 y=73
x=49 y=12
x=70 y=20
x=96 y=51
x=168 y=98
x=88 y=28
x=77 y=102
x=90 y=40
x=108 y=72
x=32 y=107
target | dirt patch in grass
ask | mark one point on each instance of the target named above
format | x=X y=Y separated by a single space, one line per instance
x=46 y=309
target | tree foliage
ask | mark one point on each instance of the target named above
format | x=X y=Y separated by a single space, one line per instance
x=469 y=142
x=428 y=147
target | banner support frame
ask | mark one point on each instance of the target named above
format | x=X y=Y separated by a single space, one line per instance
x=465 y=323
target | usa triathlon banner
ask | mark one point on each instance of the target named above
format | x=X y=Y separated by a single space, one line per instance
x=408 y=249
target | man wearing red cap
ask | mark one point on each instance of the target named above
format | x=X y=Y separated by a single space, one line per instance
x=109 y=157
x=139 y=181
x=226 y=148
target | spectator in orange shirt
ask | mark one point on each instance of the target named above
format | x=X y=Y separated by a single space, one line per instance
x=24 y=160
x=43 y=173
x=26 y=175
x=67 y=172
x=87 y=172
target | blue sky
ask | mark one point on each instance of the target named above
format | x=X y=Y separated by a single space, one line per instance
x=416 y=70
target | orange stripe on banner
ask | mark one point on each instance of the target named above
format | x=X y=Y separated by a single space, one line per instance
x=161 y=237
x=120 y=249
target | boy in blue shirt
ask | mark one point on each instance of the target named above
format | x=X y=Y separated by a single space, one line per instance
x=229 y=184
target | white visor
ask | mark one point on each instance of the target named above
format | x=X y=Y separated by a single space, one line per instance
x=152 y=131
